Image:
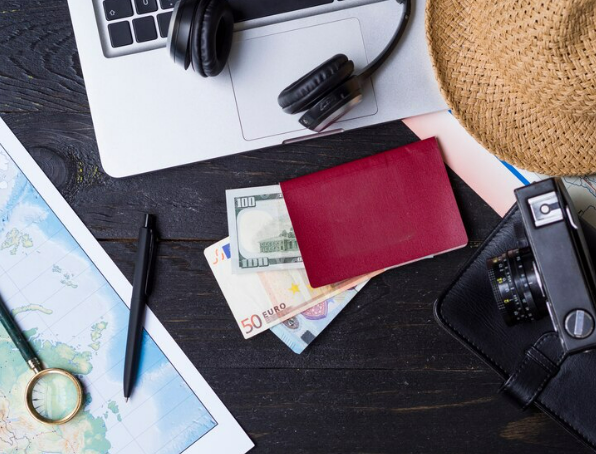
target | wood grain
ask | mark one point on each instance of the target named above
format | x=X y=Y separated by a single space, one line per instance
x=383 y=378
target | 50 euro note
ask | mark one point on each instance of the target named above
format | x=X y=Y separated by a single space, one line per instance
x=261 y=300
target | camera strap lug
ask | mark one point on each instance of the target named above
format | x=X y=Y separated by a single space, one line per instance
x=538 y=366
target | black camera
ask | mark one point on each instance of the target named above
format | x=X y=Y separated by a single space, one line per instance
x=551 y=272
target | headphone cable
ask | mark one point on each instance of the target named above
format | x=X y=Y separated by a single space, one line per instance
x=383 y=56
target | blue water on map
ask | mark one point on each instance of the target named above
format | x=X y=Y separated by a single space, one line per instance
x=77 y=321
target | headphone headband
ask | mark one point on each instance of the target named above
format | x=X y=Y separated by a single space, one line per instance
x=201 y=32
x=384 y=55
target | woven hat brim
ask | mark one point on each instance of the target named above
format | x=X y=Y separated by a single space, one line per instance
x=499 y=117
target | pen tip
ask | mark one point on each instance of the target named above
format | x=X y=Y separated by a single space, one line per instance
x=126 y=400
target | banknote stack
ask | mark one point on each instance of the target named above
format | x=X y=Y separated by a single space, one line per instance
x=260 y=272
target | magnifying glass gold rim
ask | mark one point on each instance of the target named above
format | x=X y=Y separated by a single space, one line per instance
x=29 y=396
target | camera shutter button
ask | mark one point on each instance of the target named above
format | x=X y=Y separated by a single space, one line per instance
x=579 y=324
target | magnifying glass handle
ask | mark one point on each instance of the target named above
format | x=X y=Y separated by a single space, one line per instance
x=18 y=338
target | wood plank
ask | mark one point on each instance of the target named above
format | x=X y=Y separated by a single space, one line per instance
x=340 y=411
x=40 y=69
x=383 y=378
x=190 y=201
x=388 y=325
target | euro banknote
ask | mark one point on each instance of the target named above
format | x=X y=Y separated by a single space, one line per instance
x=301 y=330
x=261 y=300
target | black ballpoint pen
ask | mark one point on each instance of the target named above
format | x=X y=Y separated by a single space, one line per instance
x=140 y=293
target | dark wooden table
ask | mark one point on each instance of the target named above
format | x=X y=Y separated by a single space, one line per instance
x=383 y=378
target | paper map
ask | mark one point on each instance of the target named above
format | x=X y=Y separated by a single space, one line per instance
x=68 y=297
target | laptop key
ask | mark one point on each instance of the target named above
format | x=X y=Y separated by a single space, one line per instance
x=144 y=29
x=120 y=34
x=117 y=9
x=146 y=34
x=163 y=20
x=168 y=4
x=146 y=6
x=246 y=9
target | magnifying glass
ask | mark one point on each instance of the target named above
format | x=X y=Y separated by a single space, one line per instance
x=53 y=396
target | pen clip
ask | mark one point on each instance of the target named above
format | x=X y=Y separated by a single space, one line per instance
x=150 y=264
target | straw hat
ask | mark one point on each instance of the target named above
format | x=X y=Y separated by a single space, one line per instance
x=520 y=75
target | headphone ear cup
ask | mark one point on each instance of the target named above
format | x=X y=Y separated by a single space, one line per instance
x=181 y=25
x=194 y=48
x=310 y=88
x=334 y=105
x=211 y=37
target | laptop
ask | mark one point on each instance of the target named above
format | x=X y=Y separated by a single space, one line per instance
x=149 y=114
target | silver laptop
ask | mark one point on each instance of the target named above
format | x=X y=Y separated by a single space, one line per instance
x=149 y=114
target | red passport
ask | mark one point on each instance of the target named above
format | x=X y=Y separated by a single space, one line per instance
x=378 y=212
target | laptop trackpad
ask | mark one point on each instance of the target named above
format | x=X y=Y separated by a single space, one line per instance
x=261 y=67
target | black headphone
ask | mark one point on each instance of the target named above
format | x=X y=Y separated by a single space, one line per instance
x=201 y=33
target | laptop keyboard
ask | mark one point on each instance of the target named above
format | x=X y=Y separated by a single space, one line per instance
x=132 y=26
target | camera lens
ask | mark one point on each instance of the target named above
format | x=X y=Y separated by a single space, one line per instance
x=516 y=285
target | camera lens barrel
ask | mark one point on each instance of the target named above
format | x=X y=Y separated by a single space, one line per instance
x=516 y=285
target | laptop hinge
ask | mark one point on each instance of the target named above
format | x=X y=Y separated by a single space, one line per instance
x=313 y=136
x=301 y=14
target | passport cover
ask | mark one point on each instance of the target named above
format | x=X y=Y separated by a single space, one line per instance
x=378 y=212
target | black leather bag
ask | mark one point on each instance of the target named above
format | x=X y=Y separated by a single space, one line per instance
x=528 y=357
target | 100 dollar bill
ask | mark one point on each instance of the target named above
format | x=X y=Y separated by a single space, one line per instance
x=261 y=233
x=261 y=300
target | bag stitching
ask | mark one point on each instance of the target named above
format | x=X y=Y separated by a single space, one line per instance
x=539 y=360
x=509 y=384
x=496 y=233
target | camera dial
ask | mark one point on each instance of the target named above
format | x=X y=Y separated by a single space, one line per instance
x=517 y=287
